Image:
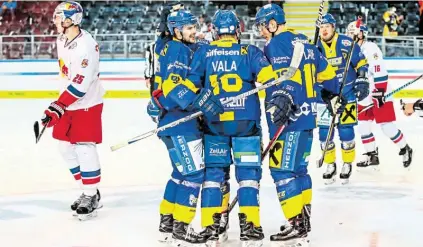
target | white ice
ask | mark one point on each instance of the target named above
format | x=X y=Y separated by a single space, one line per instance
x=377 y=209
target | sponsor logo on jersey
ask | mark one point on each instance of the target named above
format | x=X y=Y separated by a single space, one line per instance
x=279 y=60
x=346 y=42
x=218 y=152
x=84 y=63
x=336 y=61
x=222 y=52
x=192 y=200
x=244 y=50
x=178 y=65
x=240 y=103
x=375 y=56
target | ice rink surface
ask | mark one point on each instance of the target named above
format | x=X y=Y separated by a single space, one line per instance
x=377 y=209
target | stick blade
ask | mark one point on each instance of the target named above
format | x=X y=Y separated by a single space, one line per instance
x=36 y=131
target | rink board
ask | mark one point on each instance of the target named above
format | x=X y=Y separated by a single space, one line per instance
x=124 y=78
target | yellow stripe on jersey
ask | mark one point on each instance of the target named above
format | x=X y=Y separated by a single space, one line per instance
x=327 y=74
x=361 y=63
x=227 y=116
x=158 y=80
x=173 y=80
x=266 y=74
x=225 y=42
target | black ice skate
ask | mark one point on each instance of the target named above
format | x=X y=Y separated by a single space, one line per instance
x=76 y=203
x=223 y=227
x=407 y=155
x=329 y=175
x=211 y=233
x=345 y=173
x=166 y=228
x=88 y=207
x=184 y=236
x=372 y=159
x=251 y=236
x=293 y=233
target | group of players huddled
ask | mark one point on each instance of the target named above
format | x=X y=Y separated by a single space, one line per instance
x=193 y=76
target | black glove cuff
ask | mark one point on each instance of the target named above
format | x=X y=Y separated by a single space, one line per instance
x=418 y=105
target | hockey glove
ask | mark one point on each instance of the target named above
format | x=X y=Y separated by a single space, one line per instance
x=361 y=88
x=53 y=114
x=208 y=103
x=154 y=108
x=282 y=108
x=378 y=97
x=331 y=99
x=418 y=105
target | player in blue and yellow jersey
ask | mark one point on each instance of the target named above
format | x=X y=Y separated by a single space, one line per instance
x=176 y=98
x=229 y=68
x=292 y=104
x=335 y=48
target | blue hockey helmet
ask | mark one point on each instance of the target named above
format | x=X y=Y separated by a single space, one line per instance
x=328 y=19
x=225 y=22
x=179 y=19
x=364 y=29
x=268 y=12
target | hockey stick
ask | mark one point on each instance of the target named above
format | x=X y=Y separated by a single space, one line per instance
x=295 y=63
x=332 y=124
x=37 y=132
x=393 y=92
x=281 y=128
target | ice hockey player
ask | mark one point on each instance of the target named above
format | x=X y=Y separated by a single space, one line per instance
x=335 y=48
x=177 y=98
x=162 y=37
x=76 y=115
x=292 y=104
x=382 y=111
x=229 y=68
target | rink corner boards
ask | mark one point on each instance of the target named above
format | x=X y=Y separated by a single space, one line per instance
x=140 y=94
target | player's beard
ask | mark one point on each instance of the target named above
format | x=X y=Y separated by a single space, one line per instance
x=189 y=38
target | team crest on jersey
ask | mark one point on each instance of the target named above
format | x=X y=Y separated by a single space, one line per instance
x=73 y=46
x=375 y=56
x=346 y=42
x=244 y=50
x=84 y=63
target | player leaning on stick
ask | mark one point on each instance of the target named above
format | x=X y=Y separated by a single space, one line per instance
x=177 y=98
x=292 y=103
x=76 y=115
x=335 y=48
x=229 y=68
x=382 y=111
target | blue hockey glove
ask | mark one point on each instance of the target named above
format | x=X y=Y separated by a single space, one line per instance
x=154 y=108
x=331 y=101
x=282 y=108
x=361 y=88
x=208 y=103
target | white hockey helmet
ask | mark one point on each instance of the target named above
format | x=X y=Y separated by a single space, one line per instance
x=352 y=29
x=71 y=10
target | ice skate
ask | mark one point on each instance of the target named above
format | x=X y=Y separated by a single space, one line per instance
x=184 y=236
x=372 y=160
x=407 y=155
x=345 y=173
x=251 y=236
x=211 y=233
x=223 y=227
x=330 y=175
x=166 y=228
x=88 y=207
x=306 y=214
x=292 y=234
x=76 y=203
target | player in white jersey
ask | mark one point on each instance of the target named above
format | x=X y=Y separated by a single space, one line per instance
x=76 y=114
x=382 y=110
